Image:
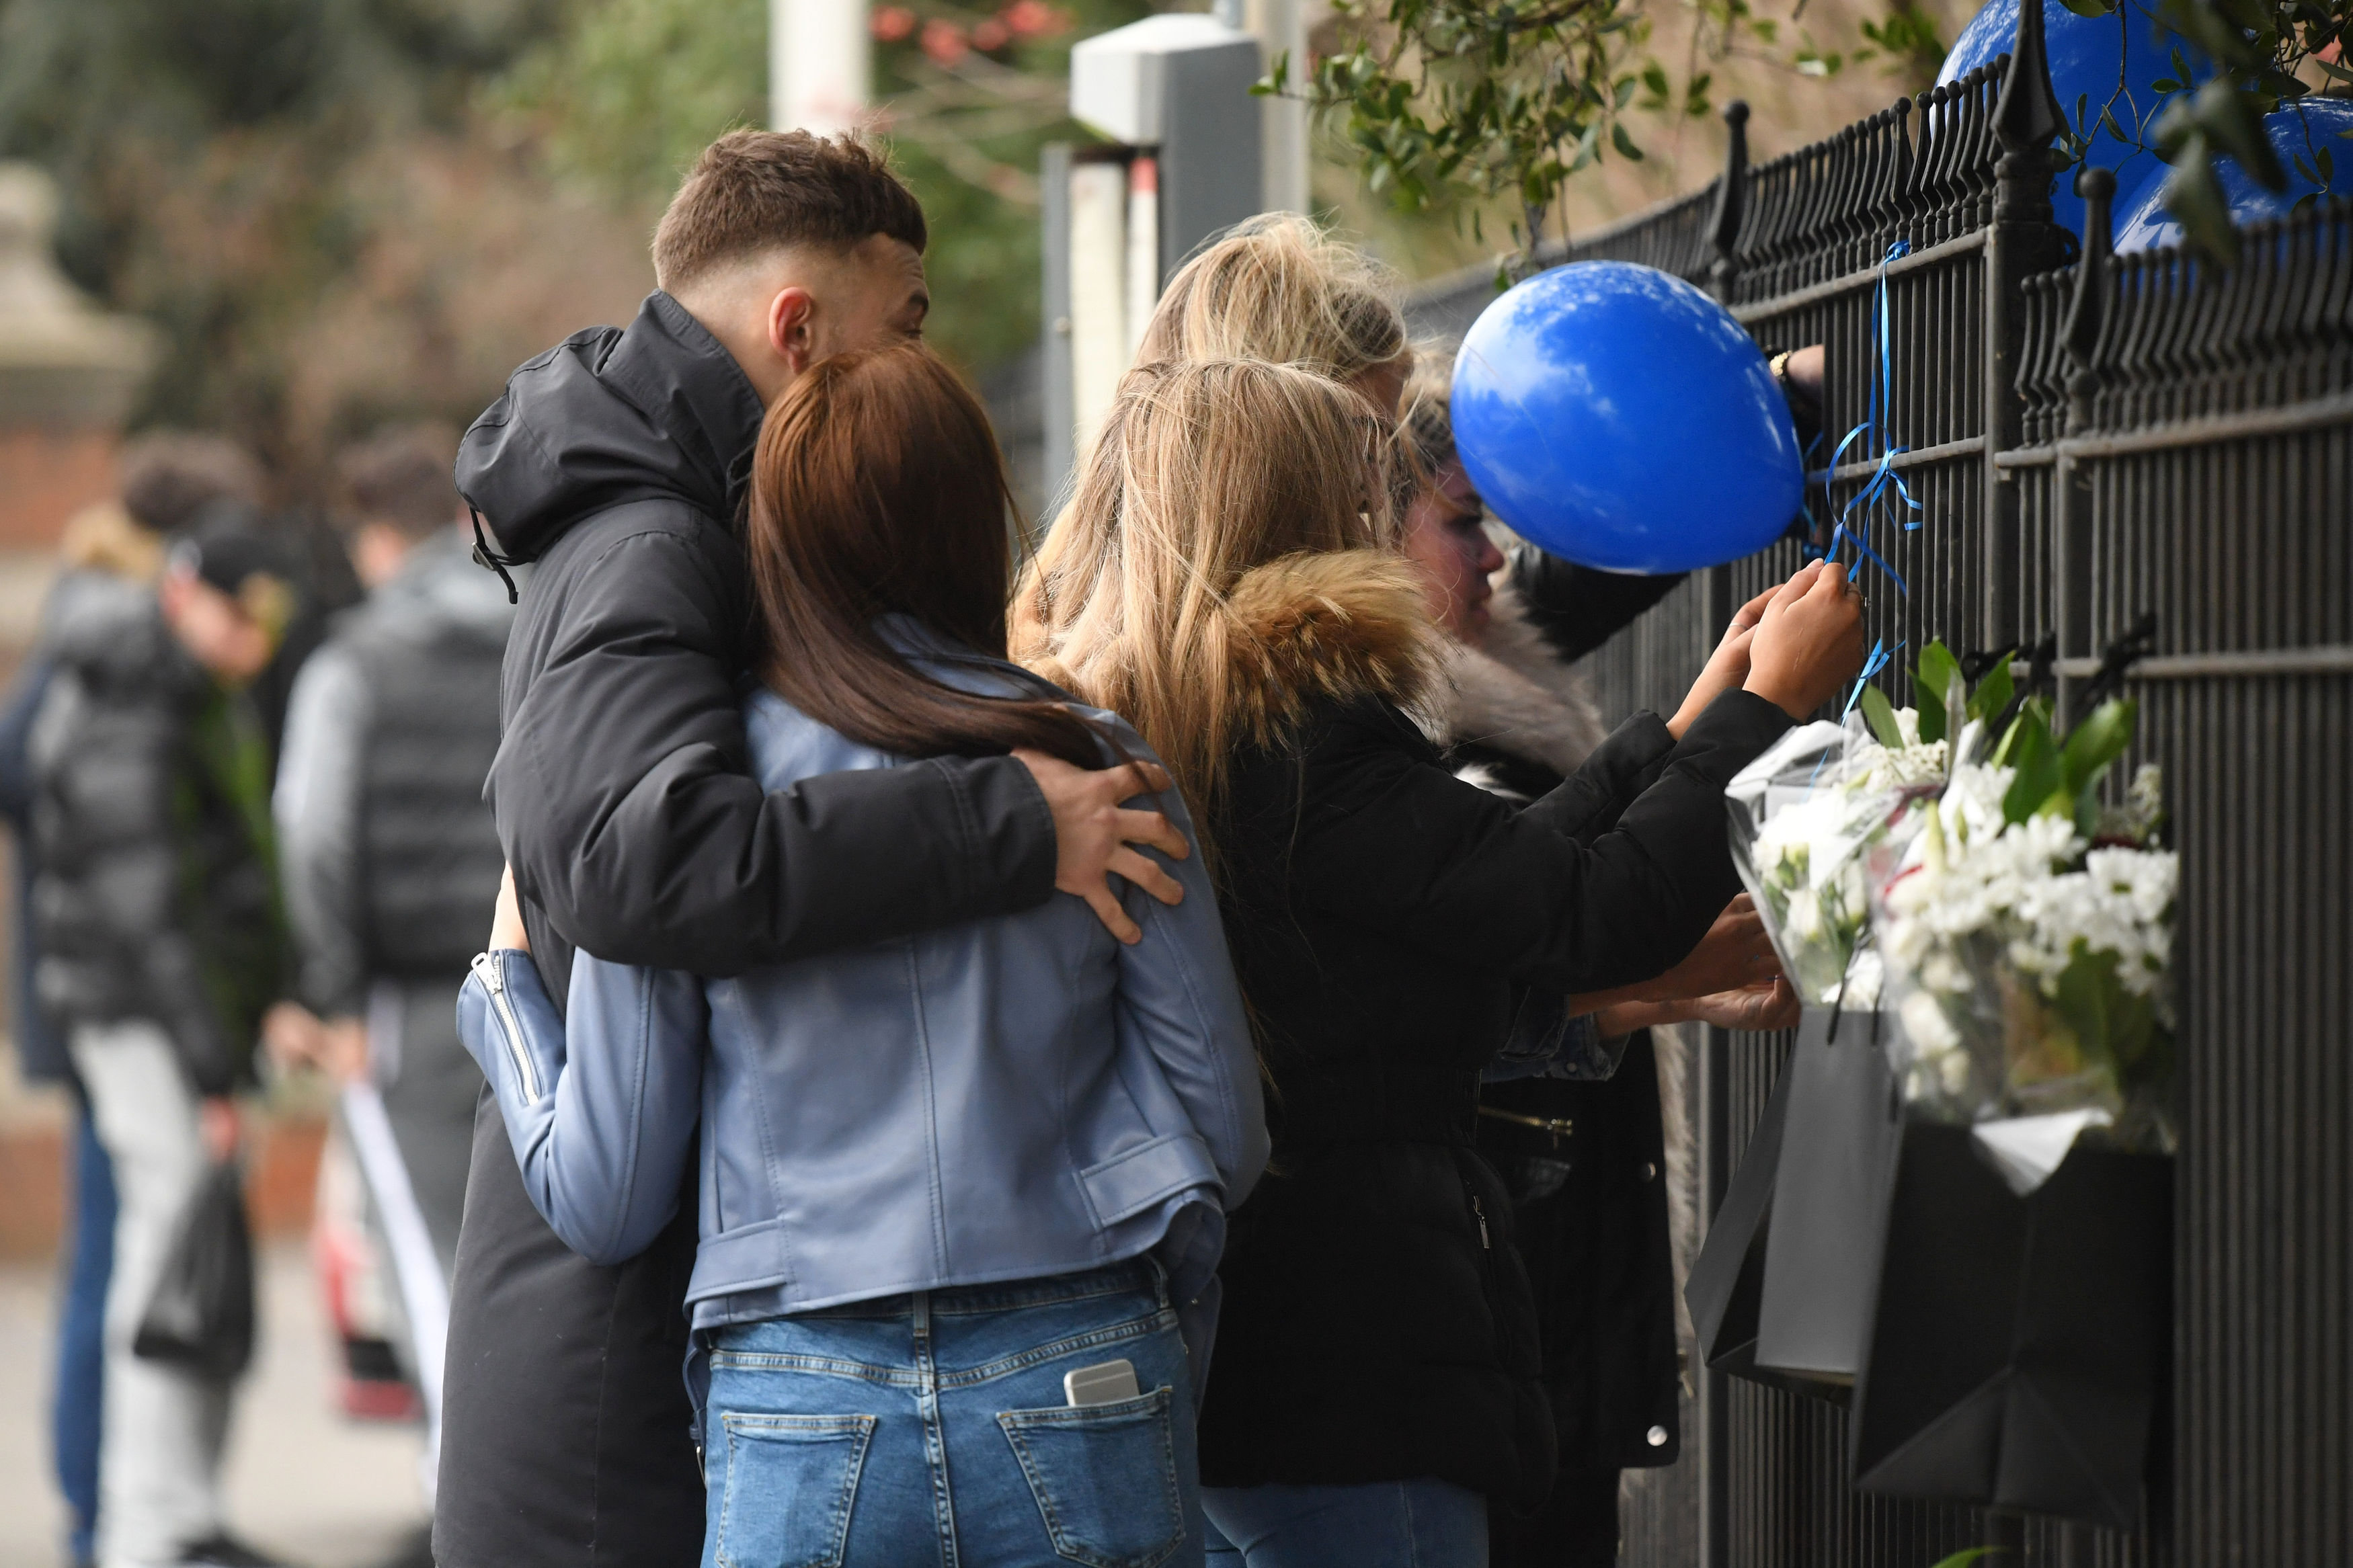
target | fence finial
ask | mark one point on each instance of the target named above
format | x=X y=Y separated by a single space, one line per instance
x=1731 y=201
x=2027 y=118
x=2098 y=189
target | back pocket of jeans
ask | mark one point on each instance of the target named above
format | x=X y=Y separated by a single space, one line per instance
x=791 y=1481
x=1105 y=1478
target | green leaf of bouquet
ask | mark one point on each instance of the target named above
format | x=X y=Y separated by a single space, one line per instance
x=2096 y=743
x=1938 y=668
x=1880 y=714
x=2039 y=776
x=1930 y=703
x=1963 y=1559
x=1993 y=693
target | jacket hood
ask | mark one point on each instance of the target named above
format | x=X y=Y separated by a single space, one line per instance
x=1330 y=627
x=1514 y=691
x=657 y=410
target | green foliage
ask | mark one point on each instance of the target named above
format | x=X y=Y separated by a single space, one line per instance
x=2263 y=47
x=1487 y=98
x=210 y=155
x=626 y=96
x=632 y=89
x=1963 y=1559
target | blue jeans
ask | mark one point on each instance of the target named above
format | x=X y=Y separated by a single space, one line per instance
x=1421 y=1523
x=81 y=1335
x=933 y=1428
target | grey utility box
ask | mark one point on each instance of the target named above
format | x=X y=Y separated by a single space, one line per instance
x=1179 y=83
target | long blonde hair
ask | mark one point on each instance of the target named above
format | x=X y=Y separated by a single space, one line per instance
x=1203 y=474
x=1280 y=287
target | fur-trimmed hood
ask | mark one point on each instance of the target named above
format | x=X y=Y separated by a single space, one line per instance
x=1344 y=624
x=1514 y=692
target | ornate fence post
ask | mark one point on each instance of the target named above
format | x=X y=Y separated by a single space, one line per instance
x=2020 y=241
x=2072 y=606
x=1731 y=202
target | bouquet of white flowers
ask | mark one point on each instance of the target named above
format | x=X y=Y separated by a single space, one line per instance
x=2027 y=934
x=1805 y=813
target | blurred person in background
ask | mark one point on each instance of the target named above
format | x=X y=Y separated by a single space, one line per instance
x=163 y=481
x=389 y=856
x=161 y=950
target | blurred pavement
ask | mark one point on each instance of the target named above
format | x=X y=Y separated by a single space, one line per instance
x=320 y=1491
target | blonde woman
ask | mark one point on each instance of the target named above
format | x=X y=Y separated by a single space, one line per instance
x=1225 y=578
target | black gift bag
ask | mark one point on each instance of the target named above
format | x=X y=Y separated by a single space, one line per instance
x=1829 y=1200
x=2018 y=1344
x=200 y=1316
x=1727 y=1278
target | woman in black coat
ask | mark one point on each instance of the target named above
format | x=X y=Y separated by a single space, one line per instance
x=1222 y=579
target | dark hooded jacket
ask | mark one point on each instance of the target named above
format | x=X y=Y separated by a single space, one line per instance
x=617 y=462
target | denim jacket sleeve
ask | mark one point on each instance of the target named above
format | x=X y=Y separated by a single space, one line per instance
x=601 y=1104
x=1178 y=997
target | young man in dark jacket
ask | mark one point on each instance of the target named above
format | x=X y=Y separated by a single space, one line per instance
x=616 y=461
x=161 y=948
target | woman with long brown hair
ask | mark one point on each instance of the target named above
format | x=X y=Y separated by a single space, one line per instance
x=962 y=1195
x=1227 y=575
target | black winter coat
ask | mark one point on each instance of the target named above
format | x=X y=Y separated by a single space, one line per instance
x=616 y=461
x=1377 y=1323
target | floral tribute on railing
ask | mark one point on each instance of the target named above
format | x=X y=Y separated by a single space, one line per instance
x=1954 y=861
x=1952 y=1214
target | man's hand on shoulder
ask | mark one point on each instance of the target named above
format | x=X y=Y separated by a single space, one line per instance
x=1095 y=835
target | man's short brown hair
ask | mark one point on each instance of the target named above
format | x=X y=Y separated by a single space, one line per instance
x=167 y=476
x=402 y=477
x=753 y=191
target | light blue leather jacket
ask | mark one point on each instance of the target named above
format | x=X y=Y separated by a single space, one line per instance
x=1002 y=1100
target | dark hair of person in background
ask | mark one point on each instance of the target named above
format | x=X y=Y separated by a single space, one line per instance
x=401 y=477
x=752 y=192
x=877 y=488
x=167 y=476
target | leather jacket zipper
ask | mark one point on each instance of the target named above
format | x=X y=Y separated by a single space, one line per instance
x=487 y=969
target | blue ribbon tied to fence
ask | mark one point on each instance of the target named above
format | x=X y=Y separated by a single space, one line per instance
x=1871 y=665
x=1872 y=432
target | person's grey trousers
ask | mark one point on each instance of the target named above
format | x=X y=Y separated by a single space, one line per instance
x=165 y=1426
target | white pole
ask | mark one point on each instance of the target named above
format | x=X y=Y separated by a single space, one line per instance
x=1280 y=28
x=820 y=65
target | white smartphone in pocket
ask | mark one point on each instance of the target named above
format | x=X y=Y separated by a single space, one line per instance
x=1105 y=1383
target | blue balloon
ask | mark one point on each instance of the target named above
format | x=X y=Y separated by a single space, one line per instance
x=1619 y=417
x=2086 y=53
x=2298 y=132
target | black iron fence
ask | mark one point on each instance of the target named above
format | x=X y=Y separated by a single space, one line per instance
x=2090 y=439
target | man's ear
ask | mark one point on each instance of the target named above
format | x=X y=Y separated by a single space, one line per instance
x=792 y=333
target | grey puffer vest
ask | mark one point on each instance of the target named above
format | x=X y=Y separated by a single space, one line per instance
x=428 y=846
